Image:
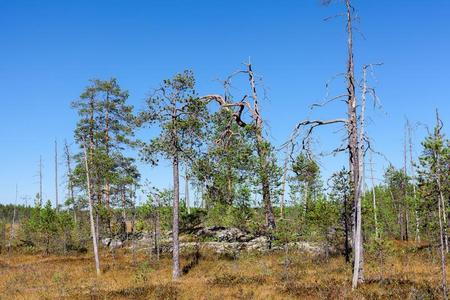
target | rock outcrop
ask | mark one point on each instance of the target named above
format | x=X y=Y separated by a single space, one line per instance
x=221 y=240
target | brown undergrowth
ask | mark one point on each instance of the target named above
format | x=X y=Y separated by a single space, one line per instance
x=404 y=274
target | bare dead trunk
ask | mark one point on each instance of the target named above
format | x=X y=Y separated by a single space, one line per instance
x=13 y=223
x=124 y=205
x=156 y=228
x=405 y=189
x=346 y=232
x=356 y=177
x=91 y=214
x=56 y=176
x=186 y=191
x=283 y=183
x=70 y=189
x=442 y=244
x=306 y=201
x=175 y=231
x=41 y=199
x=107 y=183
x=374 y=200
x=133 y=223
x=413 y=177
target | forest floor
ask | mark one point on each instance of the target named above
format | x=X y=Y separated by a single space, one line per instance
x=406 y=273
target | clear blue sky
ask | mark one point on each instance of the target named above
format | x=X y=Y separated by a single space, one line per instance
x=50 y=49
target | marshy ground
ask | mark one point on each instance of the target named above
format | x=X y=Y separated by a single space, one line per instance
x=406 y=272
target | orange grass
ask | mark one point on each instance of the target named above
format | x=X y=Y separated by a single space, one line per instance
x=403 y=275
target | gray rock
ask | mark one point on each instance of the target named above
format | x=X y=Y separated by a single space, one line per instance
x=220 y=240
x=260 y=244
x=222 y=234
x=106 y=241
x=112 y=243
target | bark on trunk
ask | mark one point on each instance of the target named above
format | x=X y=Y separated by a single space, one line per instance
x=268 y=209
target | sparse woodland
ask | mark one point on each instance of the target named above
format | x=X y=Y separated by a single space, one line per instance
x=246 y=218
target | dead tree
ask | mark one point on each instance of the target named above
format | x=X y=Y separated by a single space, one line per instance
x=413 y=179
x=374 y=199
x=91 y=213
x=133 y=224
x=157 y=227
x=40 y=200
x=354 y=153
x=354 y=140
x=442 y=212
x=70 y=187
x=56 y=176
x=186 y=191
x=405 y=206
x=283 y=183
x=237 y=109
x=13 y=223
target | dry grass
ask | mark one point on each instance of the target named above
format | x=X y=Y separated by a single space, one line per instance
x=404 y=275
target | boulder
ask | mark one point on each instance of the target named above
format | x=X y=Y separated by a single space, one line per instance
x=112 y=243
x=223 y=234
x=260 y=244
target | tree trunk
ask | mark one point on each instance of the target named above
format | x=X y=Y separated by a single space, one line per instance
x=413 y=177
x=91 y=214
x=13 y=223
x=356 y=177
x=229 y=186
x=124 y=205
x=107 y=184
x=283 y=184
x=156 y=227
x=442 y=243
x=261 y=148
x=374 y=199
x=268 y=209
x=405 y=189
x=176 y=200
x=70 y=189
x=40 y=182
x=186 y=192
x=306 y=201
x=346 y=232
x=56 y=177
x=133 y=223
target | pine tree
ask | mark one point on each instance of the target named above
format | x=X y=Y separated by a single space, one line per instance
x=175 y=108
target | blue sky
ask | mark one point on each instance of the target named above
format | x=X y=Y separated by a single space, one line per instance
x=50 y=49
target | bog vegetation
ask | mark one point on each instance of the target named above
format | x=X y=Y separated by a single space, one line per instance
x=248 y=219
